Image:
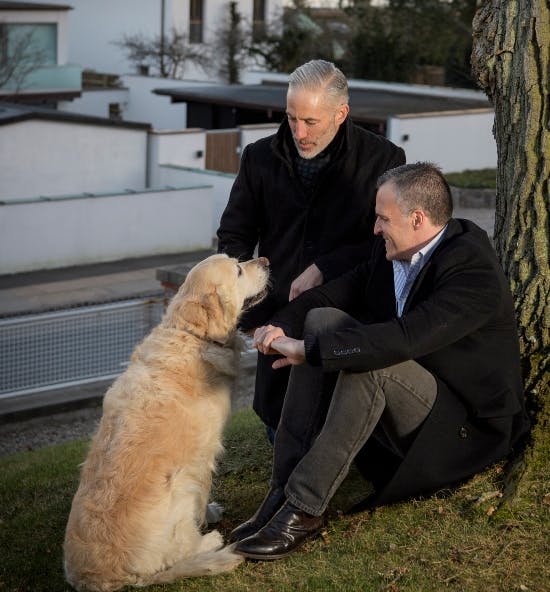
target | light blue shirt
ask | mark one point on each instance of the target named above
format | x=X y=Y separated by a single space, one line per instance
x=405 y=272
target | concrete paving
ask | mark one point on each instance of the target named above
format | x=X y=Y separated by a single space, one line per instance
x=60 y=288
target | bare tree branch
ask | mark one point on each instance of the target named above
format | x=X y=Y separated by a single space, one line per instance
x=166 y=57
x=19 y=56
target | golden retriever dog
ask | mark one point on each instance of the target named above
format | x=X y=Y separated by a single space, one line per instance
x=136 y=517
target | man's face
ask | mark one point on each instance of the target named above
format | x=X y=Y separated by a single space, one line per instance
x=313 y=120
x=397 y=229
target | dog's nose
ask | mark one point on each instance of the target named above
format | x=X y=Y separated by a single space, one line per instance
x=264 y=261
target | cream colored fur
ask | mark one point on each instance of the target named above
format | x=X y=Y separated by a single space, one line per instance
x=137 y=515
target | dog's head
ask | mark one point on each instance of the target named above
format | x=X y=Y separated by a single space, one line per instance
x=214 y=294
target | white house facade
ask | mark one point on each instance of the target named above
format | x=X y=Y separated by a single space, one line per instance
x=97 y=25
x=120 y=171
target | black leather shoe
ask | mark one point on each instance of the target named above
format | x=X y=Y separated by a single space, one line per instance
x=282 y=535
x=274 y=499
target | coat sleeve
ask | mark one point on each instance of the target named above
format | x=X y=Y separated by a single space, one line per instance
x=462 y=297
x=239 y=231
x=344 y=293
x=349 y=255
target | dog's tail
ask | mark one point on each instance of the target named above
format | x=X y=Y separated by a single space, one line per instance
x=206 y=563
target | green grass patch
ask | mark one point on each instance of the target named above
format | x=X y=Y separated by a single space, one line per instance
x=466 y=540
x=469 y=179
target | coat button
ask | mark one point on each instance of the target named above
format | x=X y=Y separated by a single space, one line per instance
x=463 y=432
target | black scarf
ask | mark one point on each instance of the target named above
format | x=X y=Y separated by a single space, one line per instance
x=308 y=169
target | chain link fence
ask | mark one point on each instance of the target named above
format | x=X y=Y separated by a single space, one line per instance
x=39 y=352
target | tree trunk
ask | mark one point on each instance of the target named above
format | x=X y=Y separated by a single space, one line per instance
x=510 y=59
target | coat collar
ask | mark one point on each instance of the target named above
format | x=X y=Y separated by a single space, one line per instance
x=455 y=227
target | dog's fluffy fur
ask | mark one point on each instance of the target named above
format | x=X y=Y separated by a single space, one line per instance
x=144 y=486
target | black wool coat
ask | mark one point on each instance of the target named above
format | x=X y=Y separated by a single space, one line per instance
x=458 y=323
x=269 y=208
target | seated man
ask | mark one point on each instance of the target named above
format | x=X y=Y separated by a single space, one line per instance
x=413 y=354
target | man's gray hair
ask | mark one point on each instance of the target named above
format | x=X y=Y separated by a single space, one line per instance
x=421 y=185
x=320 y=74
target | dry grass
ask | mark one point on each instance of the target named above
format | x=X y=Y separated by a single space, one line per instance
x=471 y=539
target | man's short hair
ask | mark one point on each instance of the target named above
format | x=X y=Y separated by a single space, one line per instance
x=320 y=74
x=421 y=185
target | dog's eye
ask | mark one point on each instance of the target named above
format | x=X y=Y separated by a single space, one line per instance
x=240 y=272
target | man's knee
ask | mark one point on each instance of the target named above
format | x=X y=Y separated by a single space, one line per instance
x=322 y=320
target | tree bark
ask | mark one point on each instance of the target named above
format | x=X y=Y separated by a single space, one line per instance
x=510 y=59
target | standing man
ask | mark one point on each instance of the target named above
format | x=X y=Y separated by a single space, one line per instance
x=412 y=359
x=305 y=198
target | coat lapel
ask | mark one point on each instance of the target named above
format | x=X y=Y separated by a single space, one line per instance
x=453 y=229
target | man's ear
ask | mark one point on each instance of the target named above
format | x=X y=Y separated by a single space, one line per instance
x=341 y=114
x=418 y=218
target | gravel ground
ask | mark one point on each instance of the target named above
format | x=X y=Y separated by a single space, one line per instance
x=38 y=432
x=47 y=430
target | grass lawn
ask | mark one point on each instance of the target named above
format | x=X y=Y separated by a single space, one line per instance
x=473 y=179
x=468 y=540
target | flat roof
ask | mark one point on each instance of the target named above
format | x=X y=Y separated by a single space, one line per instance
x=15 y=112
x=32 y=6
x=369 y=105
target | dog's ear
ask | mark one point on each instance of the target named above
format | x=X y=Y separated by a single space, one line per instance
x=186 y=313
x=222 y=315
x=194 y=318
x=209 y=315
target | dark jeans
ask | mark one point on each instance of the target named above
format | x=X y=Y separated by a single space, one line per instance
x=269 y=392
x=328 y=417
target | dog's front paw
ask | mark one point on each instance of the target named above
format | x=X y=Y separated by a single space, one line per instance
x=214 y=512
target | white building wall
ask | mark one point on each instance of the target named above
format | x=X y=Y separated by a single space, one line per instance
x=96 y=24
x=56 y=158
x=96 y=102
x=216 y=14
x=62 y=232
x=144 y=105
x=220 y=185
x=40 y=158
x=251 y=133
x=186 y=148
x=137 y=102
x=456 y=141
x=175 y=164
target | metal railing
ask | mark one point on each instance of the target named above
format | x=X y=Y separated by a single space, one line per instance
x=40 y=352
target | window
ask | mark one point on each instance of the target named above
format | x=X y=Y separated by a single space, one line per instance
x=115 y=111
x=195 y=21
x=29 y=42
x=258 y=19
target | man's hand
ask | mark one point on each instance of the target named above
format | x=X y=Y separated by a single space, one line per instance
x=293 y=350
x=272 y=340
x=264 y=336
x=309 y=278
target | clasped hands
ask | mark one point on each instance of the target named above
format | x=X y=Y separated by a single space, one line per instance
x=270 y=340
